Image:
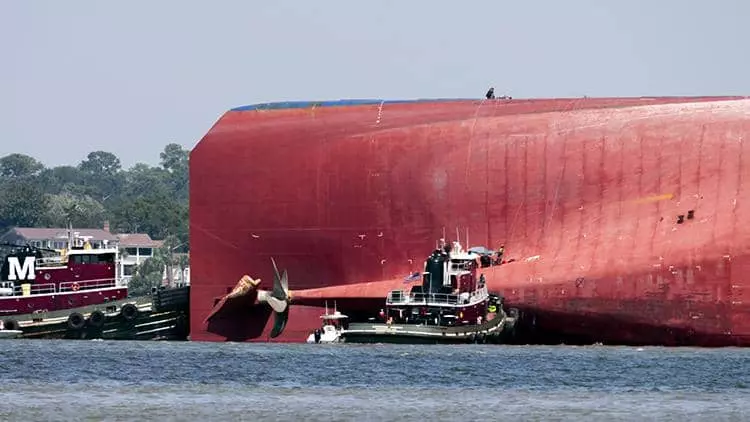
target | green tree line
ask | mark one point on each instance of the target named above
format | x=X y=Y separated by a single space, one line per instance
x=141 y=199
x=150 y=272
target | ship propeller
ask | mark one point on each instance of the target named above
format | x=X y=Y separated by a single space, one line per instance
x=278 y=299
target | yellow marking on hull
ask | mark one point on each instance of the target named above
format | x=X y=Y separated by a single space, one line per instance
x=655 y=198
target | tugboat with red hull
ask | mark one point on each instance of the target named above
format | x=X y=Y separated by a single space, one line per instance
x=36 y=281
x=451 y=306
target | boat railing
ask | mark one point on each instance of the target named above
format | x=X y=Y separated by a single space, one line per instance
x=398 y=297
x=50 y=262
x=479 y=294
x=461 y=265
x=72 y=286
x=485 y=325
x=35 y=289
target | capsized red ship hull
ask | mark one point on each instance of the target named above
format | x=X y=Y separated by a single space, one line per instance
x=626 y=217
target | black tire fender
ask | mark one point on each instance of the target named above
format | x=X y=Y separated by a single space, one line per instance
x=129 y=311
x=76 y=321
x=97 y=318
x=11 y=324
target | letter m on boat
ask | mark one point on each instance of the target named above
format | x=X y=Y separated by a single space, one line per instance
x=16 y=271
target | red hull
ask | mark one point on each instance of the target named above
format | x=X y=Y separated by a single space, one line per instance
x=585 y=194
x=10 y=306
x=85 y=277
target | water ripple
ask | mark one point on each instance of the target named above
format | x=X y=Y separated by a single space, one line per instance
x=75 y=380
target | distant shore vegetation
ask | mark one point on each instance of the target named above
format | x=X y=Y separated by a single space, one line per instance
x=141 y=199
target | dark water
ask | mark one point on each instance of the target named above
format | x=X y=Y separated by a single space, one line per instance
x=90 y=380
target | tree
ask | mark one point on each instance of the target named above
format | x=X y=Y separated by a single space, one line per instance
x=174 y=158
x=142 y=178
x=167 y=256
x=183 y=262
x=102 y=175
x=80 y=211
x=150 y=273
x=22 y=204
x=62 y=179
x=146 y=275
x=154 y=213
x=150 y=199
x=19 y=165
x=100 y=163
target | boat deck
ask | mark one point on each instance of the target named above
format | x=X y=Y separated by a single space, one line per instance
x=112 y=307
x=491 y=330
x=162 y=315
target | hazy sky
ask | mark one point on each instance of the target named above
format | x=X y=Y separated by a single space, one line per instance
x=129 y=77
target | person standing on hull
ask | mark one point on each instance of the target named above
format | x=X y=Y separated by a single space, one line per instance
x=490 y=94
x=500 y=253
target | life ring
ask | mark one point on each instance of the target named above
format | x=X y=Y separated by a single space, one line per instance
x=75 y=287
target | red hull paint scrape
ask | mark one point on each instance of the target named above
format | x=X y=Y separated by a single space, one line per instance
x=626 y=217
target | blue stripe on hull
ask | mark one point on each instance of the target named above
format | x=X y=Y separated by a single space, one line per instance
x=334 y=103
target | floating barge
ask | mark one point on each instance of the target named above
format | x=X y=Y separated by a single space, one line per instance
x=162 y=316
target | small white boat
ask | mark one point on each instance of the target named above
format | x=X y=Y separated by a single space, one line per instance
x=10 y=334
x=331 y=330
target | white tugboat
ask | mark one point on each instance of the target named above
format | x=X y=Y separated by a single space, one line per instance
x=333 y=325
